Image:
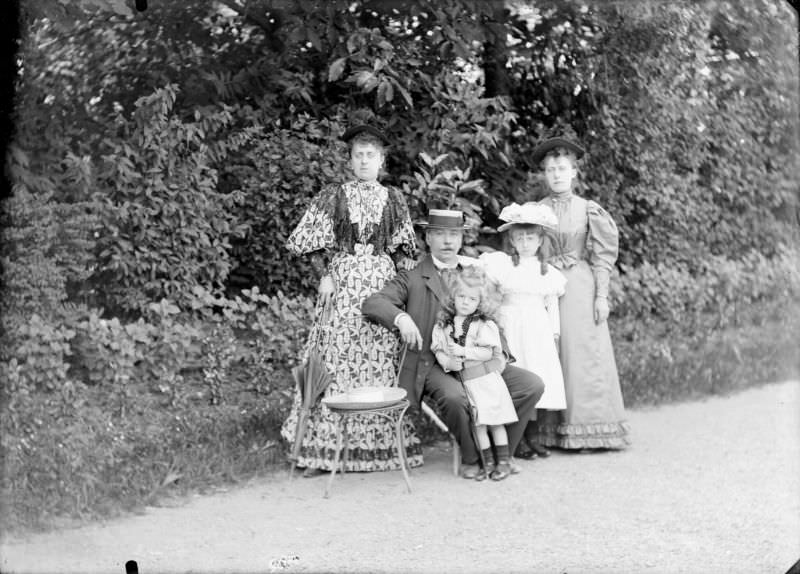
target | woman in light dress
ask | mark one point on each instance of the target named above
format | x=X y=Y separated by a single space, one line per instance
x=584 y=247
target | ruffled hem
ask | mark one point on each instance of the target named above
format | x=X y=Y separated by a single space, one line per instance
x=371 y=444
x=355 y=462
x=579 y=436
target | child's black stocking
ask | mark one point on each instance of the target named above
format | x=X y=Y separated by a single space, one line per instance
x=503 y=455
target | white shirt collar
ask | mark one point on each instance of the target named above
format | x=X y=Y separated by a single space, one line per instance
x=462 y=260
x=441 y=265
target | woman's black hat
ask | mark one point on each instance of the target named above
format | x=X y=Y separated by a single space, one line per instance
x=364 y=128
x=541 y=150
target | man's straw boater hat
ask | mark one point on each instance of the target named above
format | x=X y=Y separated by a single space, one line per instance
x=444 y=219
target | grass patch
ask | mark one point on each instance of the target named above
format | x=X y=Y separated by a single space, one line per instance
x=660 y=367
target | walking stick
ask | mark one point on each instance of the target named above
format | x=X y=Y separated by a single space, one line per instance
x=473 y=428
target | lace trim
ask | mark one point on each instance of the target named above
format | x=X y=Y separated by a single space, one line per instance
x=378 y=229
x=360 y=460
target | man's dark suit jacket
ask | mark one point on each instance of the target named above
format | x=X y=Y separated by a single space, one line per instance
x=419 y=293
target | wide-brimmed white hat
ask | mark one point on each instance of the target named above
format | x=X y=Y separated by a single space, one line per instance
x=528 y=214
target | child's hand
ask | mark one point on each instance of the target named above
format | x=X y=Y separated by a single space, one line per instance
x=455 y=350
x=454 y=364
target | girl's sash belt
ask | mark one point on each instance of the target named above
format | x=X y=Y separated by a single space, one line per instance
x=479 y=370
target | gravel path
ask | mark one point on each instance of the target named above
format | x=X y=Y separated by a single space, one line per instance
x=710 y=486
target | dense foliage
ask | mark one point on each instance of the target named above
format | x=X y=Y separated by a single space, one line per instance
x=161 y=158
x=691 y=131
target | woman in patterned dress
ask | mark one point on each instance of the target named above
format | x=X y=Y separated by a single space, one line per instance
x=584 y=248
x=364 y=231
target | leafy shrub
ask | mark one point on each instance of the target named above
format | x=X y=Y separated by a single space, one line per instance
x=38 y=355
x=108 y=350
x=167 y=226
x=152 y=420
x=661 y=366
x=278 y=177
x=722 y=288
x=679 y=335
x=270 y=331
x=33 y=280
x=175 y=343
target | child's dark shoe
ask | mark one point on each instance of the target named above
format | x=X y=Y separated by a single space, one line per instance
x=485 y=472
x=502 y=471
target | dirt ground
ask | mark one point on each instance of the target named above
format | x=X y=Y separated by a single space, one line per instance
x=709 y=486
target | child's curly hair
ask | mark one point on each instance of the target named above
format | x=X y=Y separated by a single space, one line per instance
x=469 y=276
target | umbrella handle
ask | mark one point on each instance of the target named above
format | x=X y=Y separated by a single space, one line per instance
x=402 y=361
x=322 y=318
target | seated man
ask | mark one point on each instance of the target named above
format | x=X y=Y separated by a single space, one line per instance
x=410 y=302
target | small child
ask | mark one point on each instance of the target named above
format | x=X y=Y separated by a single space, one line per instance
x=464 y=338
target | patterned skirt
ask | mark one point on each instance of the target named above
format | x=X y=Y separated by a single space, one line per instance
x=357 y=353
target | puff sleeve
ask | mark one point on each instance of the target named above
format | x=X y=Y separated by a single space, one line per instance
x=315 y=230
x=438 y=339
x=439 y=348
x=603 y=246
x=403 y=239
x=487 y=338
x=497 y=265
x=555 y=282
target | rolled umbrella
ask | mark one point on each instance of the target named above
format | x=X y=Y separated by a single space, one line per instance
x=312 y=379
x=473 y=417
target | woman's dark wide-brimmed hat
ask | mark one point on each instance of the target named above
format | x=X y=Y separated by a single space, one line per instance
x=364 y=128
x=444 y=219
x=541 y=150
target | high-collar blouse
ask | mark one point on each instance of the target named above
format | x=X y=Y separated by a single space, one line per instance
x=585 y=231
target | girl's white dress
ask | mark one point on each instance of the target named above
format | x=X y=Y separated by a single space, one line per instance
x=529 y=318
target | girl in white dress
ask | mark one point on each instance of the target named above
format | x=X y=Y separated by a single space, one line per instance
x=529 y=314
x=464 y=339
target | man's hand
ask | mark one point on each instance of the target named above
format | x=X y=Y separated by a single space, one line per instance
x=601 y=309
x=409 y=332
x=326 y=289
